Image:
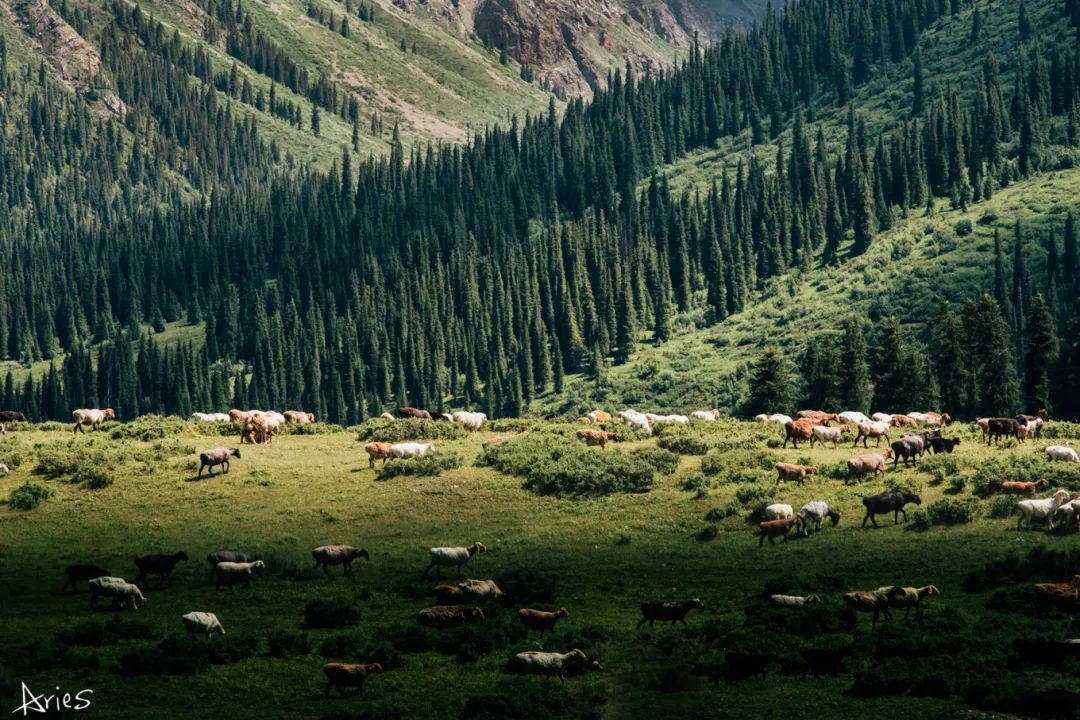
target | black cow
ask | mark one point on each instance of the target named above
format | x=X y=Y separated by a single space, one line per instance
x=909 y=447
x=893 y=502
x=998 y=428
x=943 y=445
x=12 y=416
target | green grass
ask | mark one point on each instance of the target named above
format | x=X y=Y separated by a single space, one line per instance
x=302 y=491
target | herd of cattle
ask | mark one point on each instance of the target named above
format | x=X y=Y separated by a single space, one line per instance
x=465 y=602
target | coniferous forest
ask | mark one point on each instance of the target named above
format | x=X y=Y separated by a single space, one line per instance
x=485 y=274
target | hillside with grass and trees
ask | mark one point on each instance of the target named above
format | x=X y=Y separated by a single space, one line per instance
x=563 y=248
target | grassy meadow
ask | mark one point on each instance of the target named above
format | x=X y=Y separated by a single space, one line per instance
x=599 y=556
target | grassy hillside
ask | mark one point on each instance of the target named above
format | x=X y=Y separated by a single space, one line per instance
x=907 y=271
x=597 y=557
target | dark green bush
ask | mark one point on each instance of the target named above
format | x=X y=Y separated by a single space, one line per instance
x=330 y=614
x=552 y=465
x=683 y=441
x=28 y=496
x=429 y=465
x=944 y=512
x=708 y=533
x=410 y=429
x=520 y=699
x=172 y=656
x=663 y=461
x=525 y=587
x=338 y=647
x=92 y=477
x=288 y=644
x=97 y=634
x=147 y=427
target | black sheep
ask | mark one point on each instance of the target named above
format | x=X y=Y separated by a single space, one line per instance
x=75 y=573
x=893 y=502
x=672 y=612
x=160 y=565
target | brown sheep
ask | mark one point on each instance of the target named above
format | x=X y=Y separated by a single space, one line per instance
x=541 y=620
x=796 y=430
x=595 y=437
x=1009 y=487
x=790 y=472
x=448 y=616
x=343 y=675
x=1060 y=596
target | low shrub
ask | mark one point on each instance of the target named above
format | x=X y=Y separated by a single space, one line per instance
x=337 y=647
x=943 y=512
x=717 y=514
x=1001 y=506
x=525 y=587
x=97 y=634
x=754 y=493
x=551 y=465
x=695 y=483
x=28 y=496
x=708 y=533
x=288 y=644
x=429 y=465
x=683 y=441
x=663 y=461
x=58 y=462
x=92 y=477
x=147 y=427
x=173 y=656
x=520 y=699
x=410 y=429
x=332 y=613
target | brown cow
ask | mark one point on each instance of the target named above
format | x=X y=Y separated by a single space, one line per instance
x=378 y=451
x=777 y=528
x=1022 y=488
x=795 y=430
x=595 y=437
x=793 y=473
x=411 y=412
x=903 y=421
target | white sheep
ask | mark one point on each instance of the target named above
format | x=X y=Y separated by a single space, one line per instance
x=471 y=421
x=881 y=417
x=814 y=512
x=1042 y=509
x=1068 y=513
x=638 y=420
x=779 y=418
x=762 y=418
x=404 y=451
x=793 y=601
x=551 y=663
x=711 y=415
x=853 y=417
x=827 y=434
x=228 y=573
x=205 y=623
x=779 y=511
x=452 y=557
x=1061 y=452
x=4 y=469
x=210 y=417
x=387 y=416
x=122 y=592
x=905 y=598
x=327 y=555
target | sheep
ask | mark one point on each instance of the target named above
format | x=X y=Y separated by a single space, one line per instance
x=10 y=416
x=1042 y=509
x=480 y=590
x=92 y=417
x=812 y=513
x=404 y=451
x=672 y=612
x=327 y=555
x=210 y=417
x=448 y=616
x=711 y=415
x=870 y=429
x=378 y=451
x=551 y=663
x=825 y=434
x=854 y=417
x=387 y=416
x=160 y=565
x=909 y=447
x=636 y=420
x=343 y=675
x=452 y=556
x=299 y=417
x=227 y=556
x=907 y=598
x=793 y=473
x=75 y=573
x=449 y=595
x=598 y=416
x=205 y=623
x=863 y=464
x=888 y=502
x=778 y=511
x=122 y=592
x=217 y=456
x=593 y=438
x=4 y=469
x=1069 y=513
x=227 y=573
x=1022 y=488
x=500 y=439
x=869 y=602
x=761 y=418
x=471 y=421
x=1061 y=452
x=793 y=601
x=541 y=620
x=1061 y=596
x=779 y=418
x=777 y=528
x=881 y=417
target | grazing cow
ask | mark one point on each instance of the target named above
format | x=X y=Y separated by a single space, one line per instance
x=378 y=451
x=943 y=445
x=92 y=417
x=893 y=502
x=1009 y=487
x=595 y=437
x=871 y=429
x=998 y=428
x=11 y=416
x=861 y=465
x=795 y=430
x=411 y=412
x=778 y=528
x=909 y=447
x=660 y=611
x=790 y=472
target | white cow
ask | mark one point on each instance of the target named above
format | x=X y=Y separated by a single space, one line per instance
x=407 y=450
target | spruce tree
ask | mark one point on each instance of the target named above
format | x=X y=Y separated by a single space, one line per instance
x=771 y=387
x=1040 y=358
x=853 y=373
